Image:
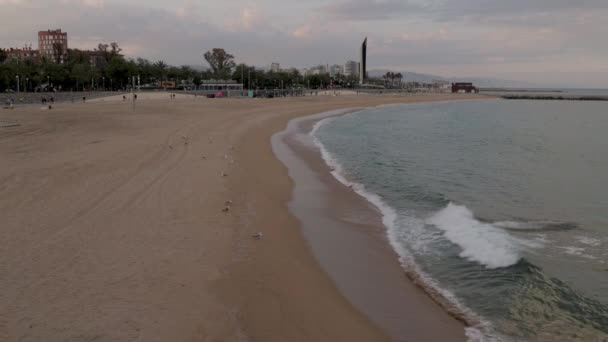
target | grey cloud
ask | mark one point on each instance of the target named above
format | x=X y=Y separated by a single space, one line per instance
x=480 y=35
x=160 y=34
x=451 y=10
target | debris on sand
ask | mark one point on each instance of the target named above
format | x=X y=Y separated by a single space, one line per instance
x=226 y=209
x=8 y=124
x=257 y=236
x=203 y=156
x=224 y=174
x=228 y=203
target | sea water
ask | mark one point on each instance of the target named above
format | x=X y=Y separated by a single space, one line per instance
x=500 y=206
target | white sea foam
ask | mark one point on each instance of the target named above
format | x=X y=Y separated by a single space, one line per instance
x=578 y=251
x=479 y=327
x=585 y=240
x=480 y=242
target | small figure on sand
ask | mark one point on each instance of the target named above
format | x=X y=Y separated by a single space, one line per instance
x=43 y=100
x=52 y=100
x=124 y=98
x=134 y=97
x=84 y=99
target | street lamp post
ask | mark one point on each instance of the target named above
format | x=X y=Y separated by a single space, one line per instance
x=103 y=80
x=48 y=83
x=17 y=77
x=27 y=81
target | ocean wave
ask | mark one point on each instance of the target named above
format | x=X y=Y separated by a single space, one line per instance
x=480 y=242
x=477 y=328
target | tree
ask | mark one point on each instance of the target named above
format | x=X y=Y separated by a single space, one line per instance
x=3 y=56
x=80 y=75
x=221 y=62
x=121 y=71
x=399 y=76
x=58 y=52
x=160 y=70
x=115 y=52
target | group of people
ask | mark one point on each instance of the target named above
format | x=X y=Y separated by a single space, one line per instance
x=124 y=97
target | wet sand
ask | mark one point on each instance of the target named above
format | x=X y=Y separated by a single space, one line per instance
x=113 y=230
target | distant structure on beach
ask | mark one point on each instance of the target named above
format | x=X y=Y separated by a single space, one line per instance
x=53 y=44
x=464 y=88
x=363 y=63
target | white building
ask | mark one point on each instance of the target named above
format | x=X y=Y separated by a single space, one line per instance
x=351 y=68
x=336 y=70
x=275 y=67
x=317 y=70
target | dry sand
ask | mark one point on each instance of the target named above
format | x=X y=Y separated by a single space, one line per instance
x=112 y=226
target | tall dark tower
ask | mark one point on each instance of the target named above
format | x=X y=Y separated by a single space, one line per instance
x=363 y=63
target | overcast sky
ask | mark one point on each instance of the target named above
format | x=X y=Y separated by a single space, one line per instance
x=548 y=42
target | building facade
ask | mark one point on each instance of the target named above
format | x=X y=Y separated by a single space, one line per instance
x=22 y=55
x=363 y=63
x=336 y=70
x=351 y=69
x=275 y=67
x=53 y=44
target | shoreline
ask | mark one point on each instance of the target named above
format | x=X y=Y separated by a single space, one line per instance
x=388 y=294
x=125 y=237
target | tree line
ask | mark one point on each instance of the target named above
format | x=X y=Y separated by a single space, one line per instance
x=107 y=69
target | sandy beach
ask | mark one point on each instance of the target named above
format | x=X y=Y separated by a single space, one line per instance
x=135 y=223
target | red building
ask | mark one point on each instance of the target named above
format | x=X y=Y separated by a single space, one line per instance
x=53 y=44
x=22 y=55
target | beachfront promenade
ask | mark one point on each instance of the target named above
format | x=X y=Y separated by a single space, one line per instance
x=32 y=98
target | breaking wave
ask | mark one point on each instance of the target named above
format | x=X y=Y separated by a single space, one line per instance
x=480 y=242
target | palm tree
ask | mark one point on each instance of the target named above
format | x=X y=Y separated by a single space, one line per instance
x=386 y=77
x=160 y=69
x=399 y=76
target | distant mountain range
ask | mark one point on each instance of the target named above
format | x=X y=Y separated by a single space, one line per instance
x=478 y=81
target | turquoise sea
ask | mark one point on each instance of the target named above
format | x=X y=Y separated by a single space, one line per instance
x=500 y=206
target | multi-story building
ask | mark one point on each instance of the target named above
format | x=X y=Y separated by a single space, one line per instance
x=53 y=44
x=275 y=67
x=351 y=69
x=336 y=70
x=22 y=55
x=317 y=70
x=363 y=63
